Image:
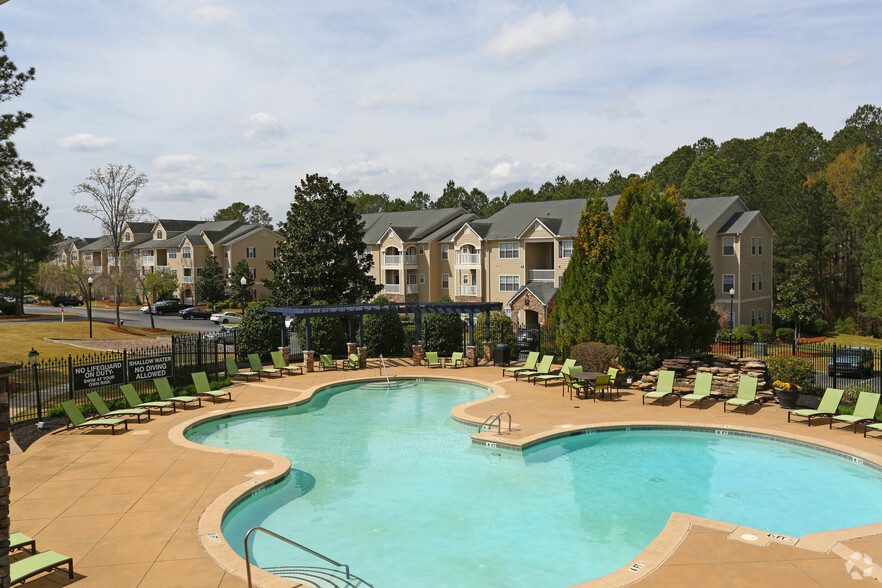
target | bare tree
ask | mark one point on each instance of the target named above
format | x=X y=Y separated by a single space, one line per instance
x=113 y=190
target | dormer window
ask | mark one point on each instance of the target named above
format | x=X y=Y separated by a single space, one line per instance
x=159 y=235
x=128 y=236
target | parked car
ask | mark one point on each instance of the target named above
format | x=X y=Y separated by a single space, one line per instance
x=194 y=312
x=225 y=334
x=226 y=317
x=67 y=301
x=851 y=361
x=30 y=299
x=169 y=307
x=528 y=339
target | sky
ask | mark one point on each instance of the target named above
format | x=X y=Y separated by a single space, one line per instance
x=220 y=101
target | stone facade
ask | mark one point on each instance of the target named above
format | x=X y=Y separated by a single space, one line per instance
x=521 y=303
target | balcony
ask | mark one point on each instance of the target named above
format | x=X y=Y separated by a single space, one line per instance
x=393 y=288
x=413 y=288
x=148 y=259
x=468 y=258
x=468 y=291
x=187 y=280
x=410 y=259
x=540 y=275
x=391 y=259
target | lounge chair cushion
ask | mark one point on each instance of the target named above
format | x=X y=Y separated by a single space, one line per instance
x=41 y=562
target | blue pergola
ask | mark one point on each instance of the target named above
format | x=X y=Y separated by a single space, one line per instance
x=418 y=309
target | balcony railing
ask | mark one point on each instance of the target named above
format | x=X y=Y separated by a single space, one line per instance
x=148 y=259
x=187 y=280
x=410 y=259
x=391 y=259
x=468 y=290
x=413 y=288
x=541 y=275
x=468 y=258
x=393 y=288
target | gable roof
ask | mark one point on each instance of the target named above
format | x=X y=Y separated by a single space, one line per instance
x=559 y=216
x=414 y=225
x=544 y=291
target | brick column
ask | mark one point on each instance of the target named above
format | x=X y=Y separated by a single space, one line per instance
x=285 y=354
x=5 y=370
x=362 y=357
x=309 y=361
x=351 y=348
x=488 y=352
x=418 y=354
x=471 y=356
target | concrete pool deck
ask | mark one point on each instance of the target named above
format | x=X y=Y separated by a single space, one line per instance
x=133 y=509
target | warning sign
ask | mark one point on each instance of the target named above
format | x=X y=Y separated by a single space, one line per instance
x=147 y=368
x=95 y=375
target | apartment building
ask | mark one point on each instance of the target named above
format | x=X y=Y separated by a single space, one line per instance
x=518 y=255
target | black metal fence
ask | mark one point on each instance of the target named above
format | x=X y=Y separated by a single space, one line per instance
x=36 y=391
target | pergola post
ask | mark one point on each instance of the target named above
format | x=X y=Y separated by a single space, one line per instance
x=308 y=335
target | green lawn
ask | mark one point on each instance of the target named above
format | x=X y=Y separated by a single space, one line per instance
x=854 y=341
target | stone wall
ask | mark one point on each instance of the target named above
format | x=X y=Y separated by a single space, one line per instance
x=726 y=369
x=535 y=305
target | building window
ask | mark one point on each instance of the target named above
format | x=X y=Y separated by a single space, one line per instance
x=760 y=282
x=564 y=248
x=88 y=257
x=444 y=251
x=73 y=256
x=559 y=282
x=759 y=247
x=422 y=278
x=422 y=249
x=251 y=252
x=509 y=283
x=752 y=317
x=254 y=273
x=753 y=245
x=172 y=253
x=159 y=235
x=174 y=272
x=509 y=250
x=728 y=245
x=185 y=253
x=275 y=252
x=759 y=315
x=227 y=273
x=753 y=282
x=728 y=283
x=128 y=236
x=465 y=278
x=445 y=281
x=226 y=252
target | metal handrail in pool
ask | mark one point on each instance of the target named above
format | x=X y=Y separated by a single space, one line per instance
x=496 y=418
x=289 y=542
x=383 y=363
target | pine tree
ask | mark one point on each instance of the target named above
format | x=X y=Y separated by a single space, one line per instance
x=660 y=289
x=577 y=309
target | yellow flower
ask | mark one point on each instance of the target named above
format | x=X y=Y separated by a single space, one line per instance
x=785 y=385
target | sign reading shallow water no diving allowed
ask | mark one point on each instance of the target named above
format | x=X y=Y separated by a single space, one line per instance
x=113 y=373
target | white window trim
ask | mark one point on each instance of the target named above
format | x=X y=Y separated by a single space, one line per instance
x=561 y=249
x=759 y=245
x=503 y=248
x=730 y=286
x=503 y=284
x=422 y=278
x=759 y=282
x=445 y=281
x=725 y=239
x=445 y=252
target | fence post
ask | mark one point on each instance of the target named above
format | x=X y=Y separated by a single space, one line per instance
x=835 y=366
x=70 y=382
x=125 y=366
x=37 y=392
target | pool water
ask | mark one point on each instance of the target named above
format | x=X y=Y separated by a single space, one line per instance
x=384 y=480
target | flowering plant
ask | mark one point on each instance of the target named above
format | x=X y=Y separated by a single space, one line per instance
x=616 y=366
x=785 y=385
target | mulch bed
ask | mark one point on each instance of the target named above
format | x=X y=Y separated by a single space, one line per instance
x=26 y=433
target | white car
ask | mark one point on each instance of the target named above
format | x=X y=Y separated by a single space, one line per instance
x=226 y=317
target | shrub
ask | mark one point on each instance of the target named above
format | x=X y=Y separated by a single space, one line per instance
x=258 y=333
x=743 y=333
x=7 y=307
x=849 y=409
x=594 y=356
x=846 y=326
x=500 y=328
x=383 y=333
x=785 y=334
x=764 y=333
x=796 y=370
x=821 y=326
x=852 y=391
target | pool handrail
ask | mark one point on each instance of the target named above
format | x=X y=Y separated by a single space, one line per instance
x=496 y=418
x=383 y=363
x=289 y=542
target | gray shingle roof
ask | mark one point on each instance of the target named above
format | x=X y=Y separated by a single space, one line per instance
x=421 y=225
x=738 y=222
x=544 y=291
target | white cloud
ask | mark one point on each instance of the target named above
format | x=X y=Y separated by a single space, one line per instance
x=185 y=163
x=377 y=100
x=503 y=169
x=537 y=33
x=187 y=190
x=85 y=142
x=261 y=127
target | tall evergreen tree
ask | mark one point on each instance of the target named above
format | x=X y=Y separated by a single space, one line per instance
x=577 y=309
x=660 y=289
x=211 y=285
x=319 y=254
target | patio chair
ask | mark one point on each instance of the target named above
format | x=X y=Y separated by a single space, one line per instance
x=165 y=393
x=432 y=359
x=746 y=394
x=601 y=385
x=613 y=373
x=21 y=541
x=21 y=570
x=353 y=363
x=873 y=427
x=664 y=387
x=545 y=378
x=528 y=366
x=105 y=412
x=279 y=363
x=327 y=362
x=701 y=391
x=456 y=359
x=827 y=407
x=257 y=366
x=77 y=419
x=233 y=370
x=135 y=401
x=864 y=411
x=570 y=384
x=203 y=388
x=544 y=368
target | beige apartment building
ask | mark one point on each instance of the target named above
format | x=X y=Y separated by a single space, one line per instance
x=518 y=255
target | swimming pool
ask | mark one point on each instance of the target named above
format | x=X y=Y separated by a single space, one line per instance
x=385 y=481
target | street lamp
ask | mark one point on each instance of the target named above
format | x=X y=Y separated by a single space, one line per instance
x=33 y=357
x=89 y=307
x=731 y=311
x=244 y=283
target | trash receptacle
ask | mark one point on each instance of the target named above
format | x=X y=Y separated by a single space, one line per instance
x=502 y=354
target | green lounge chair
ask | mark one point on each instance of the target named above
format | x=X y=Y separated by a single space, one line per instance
x=664 y=387
x=233 y=370
x=203 y=388
x=701 y=391
x=529 y=365
x=872 y=426
x=279 y=363
x=455 y=360
x=257 y=366
x=432 y=359
x=135 y=401
x=353 y=363
x=327 y=362
x=165 y=393
x=545 y=378
x=544 y=368
x=105 y=412
x=864 y=411
x=746 y=394
x=571 y=384
x=21 y=541
x=21 y=570
x=827 y=407
x=77 y=419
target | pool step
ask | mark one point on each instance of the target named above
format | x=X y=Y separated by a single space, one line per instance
x=319 y=577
